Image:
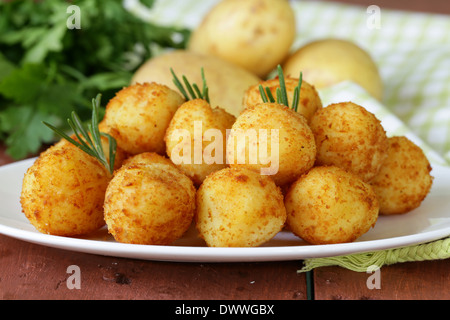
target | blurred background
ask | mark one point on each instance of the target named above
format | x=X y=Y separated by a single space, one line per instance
x=432 y=6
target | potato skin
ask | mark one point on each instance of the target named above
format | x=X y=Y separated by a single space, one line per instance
x=63 y=191
x=227 y=82
x=297 y=149
x=149 y=201
x=237 y=207
x=198 y=112
x=330 y=205
x=309 y=101
x=326 y=62
x=350 y=137
x=138 y=116
x=404 y=180
x=254 y=34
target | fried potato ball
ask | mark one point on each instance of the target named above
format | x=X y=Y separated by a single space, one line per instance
x=120 y=155
x=227 y=81
x=138 y=116
x=147 y=157
x=196 y=138
x=278 y=142
x=63 y=191
x=330 y=205
x=404 y=180
x=149 y=201
x=309 y=101
x=350 y=137
x=238 y=207
x=325 y=62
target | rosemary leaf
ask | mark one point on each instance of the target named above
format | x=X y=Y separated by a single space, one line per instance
x=79 y=128
x=89 y=140
x=93 y=128
x=112 y=150
x=189 y=88
x=68 y=138
x=206 y=94
x=295 y=99
x=269 y=95
x=178 y=84
x=197 y=90
x=299 y=86
x=80 y=140
x=283 y=93
x=279 y=99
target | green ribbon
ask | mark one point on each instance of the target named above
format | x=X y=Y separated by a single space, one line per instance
x=362 y=262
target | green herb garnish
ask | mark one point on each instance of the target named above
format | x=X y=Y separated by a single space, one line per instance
x=193 y=89
x=48 y=70
x=281 y=92
x=89 y=140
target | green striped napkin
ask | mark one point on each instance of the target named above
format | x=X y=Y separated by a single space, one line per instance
x=412 y=51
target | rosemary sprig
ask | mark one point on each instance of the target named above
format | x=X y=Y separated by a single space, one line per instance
x=89 y=140
x=281 y=92
x=192 y=90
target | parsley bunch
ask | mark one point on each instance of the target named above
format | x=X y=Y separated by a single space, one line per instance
x=48 y=70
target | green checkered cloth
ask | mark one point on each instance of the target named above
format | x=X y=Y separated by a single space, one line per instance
x=412 y=51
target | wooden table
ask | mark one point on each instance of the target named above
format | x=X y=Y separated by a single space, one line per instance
x=29 y=271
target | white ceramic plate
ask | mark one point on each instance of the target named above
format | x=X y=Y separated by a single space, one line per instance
x=431 y=221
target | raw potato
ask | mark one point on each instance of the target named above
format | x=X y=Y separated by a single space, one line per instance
x=404 y=180
x=329 y=205
x=330 y=61
x=138 y=116
x=237 y=207
x=149 y=201
x=200 y=130
x=63 y=191
x=296 y=150
x=226 y=82
x=254 y=34
x=350 y=137
x=309 y=101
